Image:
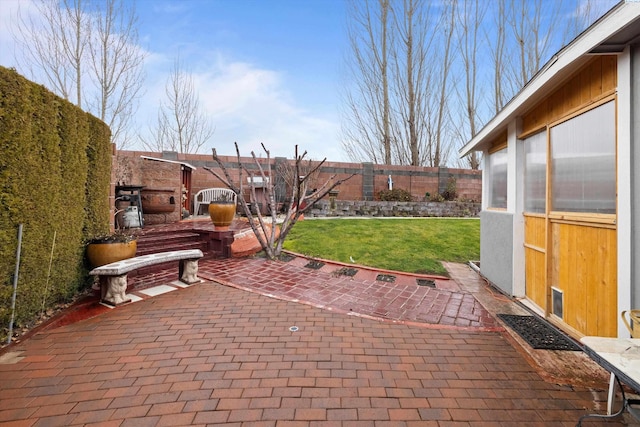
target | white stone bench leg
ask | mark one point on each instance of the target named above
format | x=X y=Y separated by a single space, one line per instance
x=189 y=271
x=612 y=393
x=113 y=289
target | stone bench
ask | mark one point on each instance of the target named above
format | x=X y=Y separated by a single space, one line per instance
x=113 y=277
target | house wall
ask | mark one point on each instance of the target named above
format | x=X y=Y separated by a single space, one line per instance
x=628 y=199
x=634 y=148
x=496 y=243
x=502 y=231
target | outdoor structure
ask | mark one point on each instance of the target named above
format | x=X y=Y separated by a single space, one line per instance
x=560 y=220
x=164 y=187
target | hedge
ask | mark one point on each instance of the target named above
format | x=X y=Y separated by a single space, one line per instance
x=55 y=172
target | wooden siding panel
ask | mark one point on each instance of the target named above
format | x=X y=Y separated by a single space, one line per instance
x=592 y=82
x=535 y=231
x=584 y=268
x=535 y=260
x=609 y=73
x=595 y=81
x=536 y=283
x=536 y=118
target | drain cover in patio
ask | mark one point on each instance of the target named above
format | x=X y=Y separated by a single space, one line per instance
x=315 y=265
x=386 y=278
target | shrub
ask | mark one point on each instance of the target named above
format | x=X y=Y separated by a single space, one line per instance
x=437 y=197
x=450 y=192
x=395 y=195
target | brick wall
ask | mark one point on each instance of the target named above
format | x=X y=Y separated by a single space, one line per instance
x=368 y=180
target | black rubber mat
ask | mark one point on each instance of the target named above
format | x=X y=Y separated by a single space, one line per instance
x=538 y=333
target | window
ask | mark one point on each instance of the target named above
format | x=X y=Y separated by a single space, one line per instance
x=583 y=159
x=497 y=179
x=535 y=173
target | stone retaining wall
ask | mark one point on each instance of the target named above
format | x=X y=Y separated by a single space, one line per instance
x=347 y=208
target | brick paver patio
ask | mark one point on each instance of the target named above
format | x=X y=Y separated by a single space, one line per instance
x=400 y=301
x=216 y=355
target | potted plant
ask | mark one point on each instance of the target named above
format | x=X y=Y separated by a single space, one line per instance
x=105 y=249
x=222 y=209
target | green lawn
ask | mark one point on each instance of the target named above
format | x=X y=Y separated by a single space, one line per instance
x=411 y=245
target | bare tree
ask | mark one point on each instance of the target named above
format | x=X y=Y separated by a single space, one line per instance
x=367 y=132
x=470 y=17
x=420 y=91
x=532 y=23
x=86 y=53
x=116 y=66
x=497 y=41
x=302 y=196
x=395 y=114
x=586 y=13
x=412 y=80
x=182 y=126
x=440 y=149
x=53 y=43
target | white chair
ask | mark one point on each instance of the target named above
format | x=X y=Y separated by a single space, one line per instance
x=208 y=195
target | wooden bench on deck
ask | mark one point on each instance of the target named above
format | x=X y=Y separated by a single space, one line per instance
x=113 y=277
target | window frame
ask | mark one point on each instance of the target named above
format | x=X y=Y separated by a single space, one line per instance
x=583 y=216
x=503 y=150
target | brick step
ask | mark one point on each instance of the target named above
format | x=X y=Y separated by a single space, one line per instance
x=175 y=245
x=213 y=244
x=162 y=241
x=162 y=238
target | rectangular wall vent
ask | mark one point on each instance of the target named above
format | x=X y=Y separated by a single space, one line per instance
x=557 y=302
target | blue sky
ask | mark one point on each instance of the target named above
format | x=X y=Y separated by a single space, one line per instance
x=266 y=70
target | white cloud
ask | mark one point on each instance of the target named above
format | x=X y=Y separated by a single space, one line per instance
x=250 y=105
x=8 y=15
x=247 y=103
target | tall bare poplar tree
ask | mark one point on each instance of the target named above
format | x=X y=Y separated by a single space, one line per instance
x=53 y=44
x=412 y=81
x=182 y=126
x=431 y=52
x=116 y=66
x=440 y=147
x=496 y=42
x=532 y=23
x=367 y=133
x=394 y=114
x=470 y=16
x=85 y=50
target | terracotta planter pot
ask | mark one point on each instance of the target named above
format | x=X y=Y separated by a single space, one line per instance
x=222 y=214
x=108 y=252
